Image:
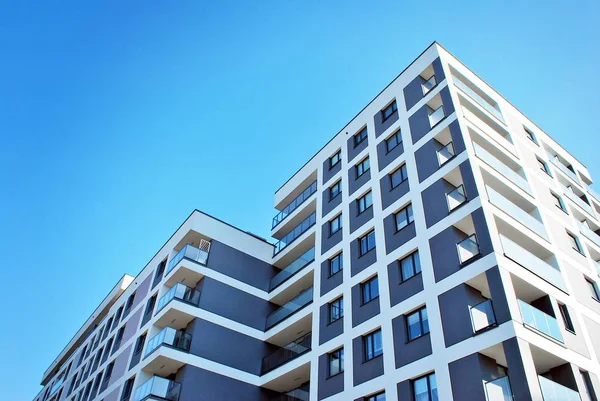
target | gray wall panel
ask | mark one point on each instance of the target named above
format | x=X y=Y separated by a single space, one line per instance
x=385 y=158
x=329 y=204
x=354 y=151
x=456 y=316
x=388 y=194
x=362 y=312
x=395 y=239
x=364 y=370
x=328 y=173
x=358 y=220
x=328 y=282
x=380 y=125
x=359 y=263
x=327 y=330
x=328 y=386
x=354 y=182
x=516 y=369
x=406 y=351
x=402 y=290
x=328 y=241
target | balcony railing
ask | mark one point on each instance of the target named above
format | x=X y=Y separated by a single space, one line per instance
x=589 y=233
x=287 y=353
x=480 y=100
x=293 y=205
x=565 y=169
x=516 y=212
x=169 y=337
x=295 y=233
x=576 y=199
x=482 y=316
x=289 y=308
x=158 y=387
x=552 y=391
x=293 y=268
x=301 y=393
x=435 y=116
x=180 y=292
x=428 y=85
x=456 y=197
x=445 y=154
x=502 y=168
x=468 y=248
x=592 y=192
x=199 y=255
x=499 y=389
x=540 y=321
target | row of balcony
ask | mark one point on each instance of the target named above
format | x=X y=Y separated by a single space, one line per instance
x=300 y=229
x=293 y=205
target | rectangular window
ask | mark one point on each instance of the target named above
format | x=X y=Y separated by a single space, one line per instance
x=336 y=362
x=410 y=266
x=376 y=397
x=373 y=345
x=150 y=305
x=369 y=290
x=139 y=344
x=574 y=242
x=558 y=202
x=336 y=309
x=335 y=224
x=360 y=136
x=335 y=264
x=530 y=135
x=404 y=217
x=593 y=289
x=335 y=159
x=366 y=242
x=388 y=111
x=117 y=317
x=543 y=166
x=335 y=189
x=425 y=388
x=129 y=304
x=118 y=339
x=398 y=176
x=564 y=312
x=417 y=324
x=364 y=202
x=589 y=388
x=393 y=141
x=161 y=268
x=362 y=167
x=127 y=389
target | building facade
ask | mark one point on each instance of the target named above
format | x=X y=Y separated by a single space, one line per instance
x=440 y=247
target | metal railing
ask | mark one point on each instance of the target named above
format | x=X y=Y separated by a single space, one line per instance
x=446 y=153
x=293 y=268
x=502 y=168
x=300 y=229
x=482 y=316
x=170 y=337
x=552 y=391
x=436 y=116
x=158 y=387
x=199 y=255
x=289 y=308
x=180 y=292
x=478 y=98
x=456 y=197
x=565 y=169
x=468 y=248
x=301 y=393
x=540 y=321
x=428 y=85
x=293 y=205
x=498 y=389
x=287 y=353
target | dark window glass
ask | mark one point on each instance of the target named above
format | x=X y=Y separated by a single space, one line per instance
x=335 y=159
x=376 y=397
x=364 y=202
x=593 y=289
x=558 y=202
x=335 y=224
x=335 y=264
x=389 y=110
x=362 y=167
x=393 y=141
x=367 y=242
x=127 y=389
x=139 y=344
x=398 y=176
x=370 y=290
x=564 y=312
x=336 y=310
x=360 y=136
x=530 y=135
x=425 y=388
x=335 y=189
x=543 y=166
x=373 y=345
x=336 y=362
x=417 y=324
x=574 y=241
x=404 y=217
x=410 y=266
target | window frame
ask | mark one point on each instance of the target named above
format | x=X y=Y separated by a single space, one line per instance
x=561 y=204
x=369 y=290
x=543 y=166
x=403 y=174
x=427 y=379
x=361 y=165
x=361 y=136
x=398 y=140
x=566 y=317
x=575 y=243
x=337 y=156
x=416 y=262
x=391 y=106
x=530 y=135
x=366 y=240
x=340 y=264
x=361 y=203
x=369 y=344
x=339 y=355
x=410 y=218
x=424 y=331
x=339 y=304
x=593 y=286
x=338 y=185
x=337 y=219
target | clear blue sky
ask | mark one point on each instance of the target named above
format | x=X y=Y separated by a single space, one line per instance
x=118 y=118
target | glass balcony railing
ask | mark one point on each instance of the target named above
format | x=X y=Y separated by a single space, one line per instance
x=565 y=169
x=516 y=212
x=158 y=387
x=445 y=154
x=295 y=233
x=594 y=194
x=456 y=197
x=293 y=205
x=502 y=168
x=435 y=116
x=180 y=292
x=468 y=248
x=285 y=354
x=552 y=391
x=540 y=321
x=478 y=98
x=482 y=316
x=301 y=393
x=499 y=389
x=169 y=337
x=428 y=85
x=293 y=268
x=189 y=252
x=589 y=233
x=576 y=199
x=289 y=308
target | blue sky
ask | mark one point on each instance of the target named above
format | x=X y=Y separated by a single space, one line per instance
x=118 y=118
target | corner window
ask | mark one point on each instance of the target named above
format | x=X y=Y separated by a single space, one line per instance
x=388 y=111
x=336 y=362
x=558 y=202
x=393 y=141
x=335 y=159
x=335 y=264
x=365 y=202
x=404 y=217
x=593 y=289
x=336 y=309
x=417 y=324
x=410 y=266
x=564 y=313
x=366 y=242
x=530 y=135
x=360 y=136
x=335 y=224
x=574 y=242
x=362 y=167
x=425 y=388
x=543 y=166
x=335 y=189
x=398 y=176
x=373 y=345
x=369 y=290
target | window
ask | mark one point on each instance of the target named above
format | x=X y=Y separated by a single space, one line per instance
x=161 y=268
x=530 y=135
x=593 y=289
x=335 y=264
x=335 y=189
x=373 y=345
x=365 y=202
x=117 y=317
x=574 y=241
x=558 y=202
x=398 y=176
x=543 y=166
x=139 y=344
x=589 y=388
x=388 y=111
x=366 y=242
x=335 y=224
x=564 y=312
x=425 y=388
x=150 y=305
x=369 y=290
x=335 y=159
x=376 y=397
x=404 y=217
x=127 y=389
x=410 y=266
x=362 y=167
x=118 y=339
x=336 y=309
x=393 y=141
x=129 y=303
x=360 y=136
x=336 y=362
x=417 y=324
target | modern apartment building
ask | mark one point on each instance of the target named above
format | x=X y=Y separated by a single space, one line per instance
x=440 y=247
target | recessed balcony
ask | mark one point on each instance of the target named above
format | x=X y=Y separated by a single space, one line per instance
x=476 y=94
x=574 y=196
x=299 y=302
x=295 y=233
x=161 y=352
x=486 y=126
x=291 y=269
x=157 y=389
x=294 y=204
x=287 y=353
x=176 y=307
x=556 y=161
x=552 y=391
x=584 y=228
x=540 y=321
x=184 y=266
x=513 y=174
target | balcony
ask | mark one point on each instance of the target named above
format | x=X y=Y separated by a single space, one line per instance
x=190 y=252
x=456 y=197
x=540 y=321
x=301 y=393
x=589 y=233
x=477 y=98
x=577 y=200
x=293 y=205
x=177 y=314
x=300 y=229
x=170 y=337
x=435 y=116
x=482 y=316
x=567 y=171
x=287 y=353
x=445 y=154
x=303 y=299
x=290 y=270
x=181 y=293
x=499 y=389
x=594 y=194
x=428 y=85
x=157 y=388
x=468 y=248
x=552 y=391
x=501 y=168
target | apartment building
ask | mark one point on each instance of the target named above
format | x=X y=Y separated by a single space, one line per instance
x=440 y=247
